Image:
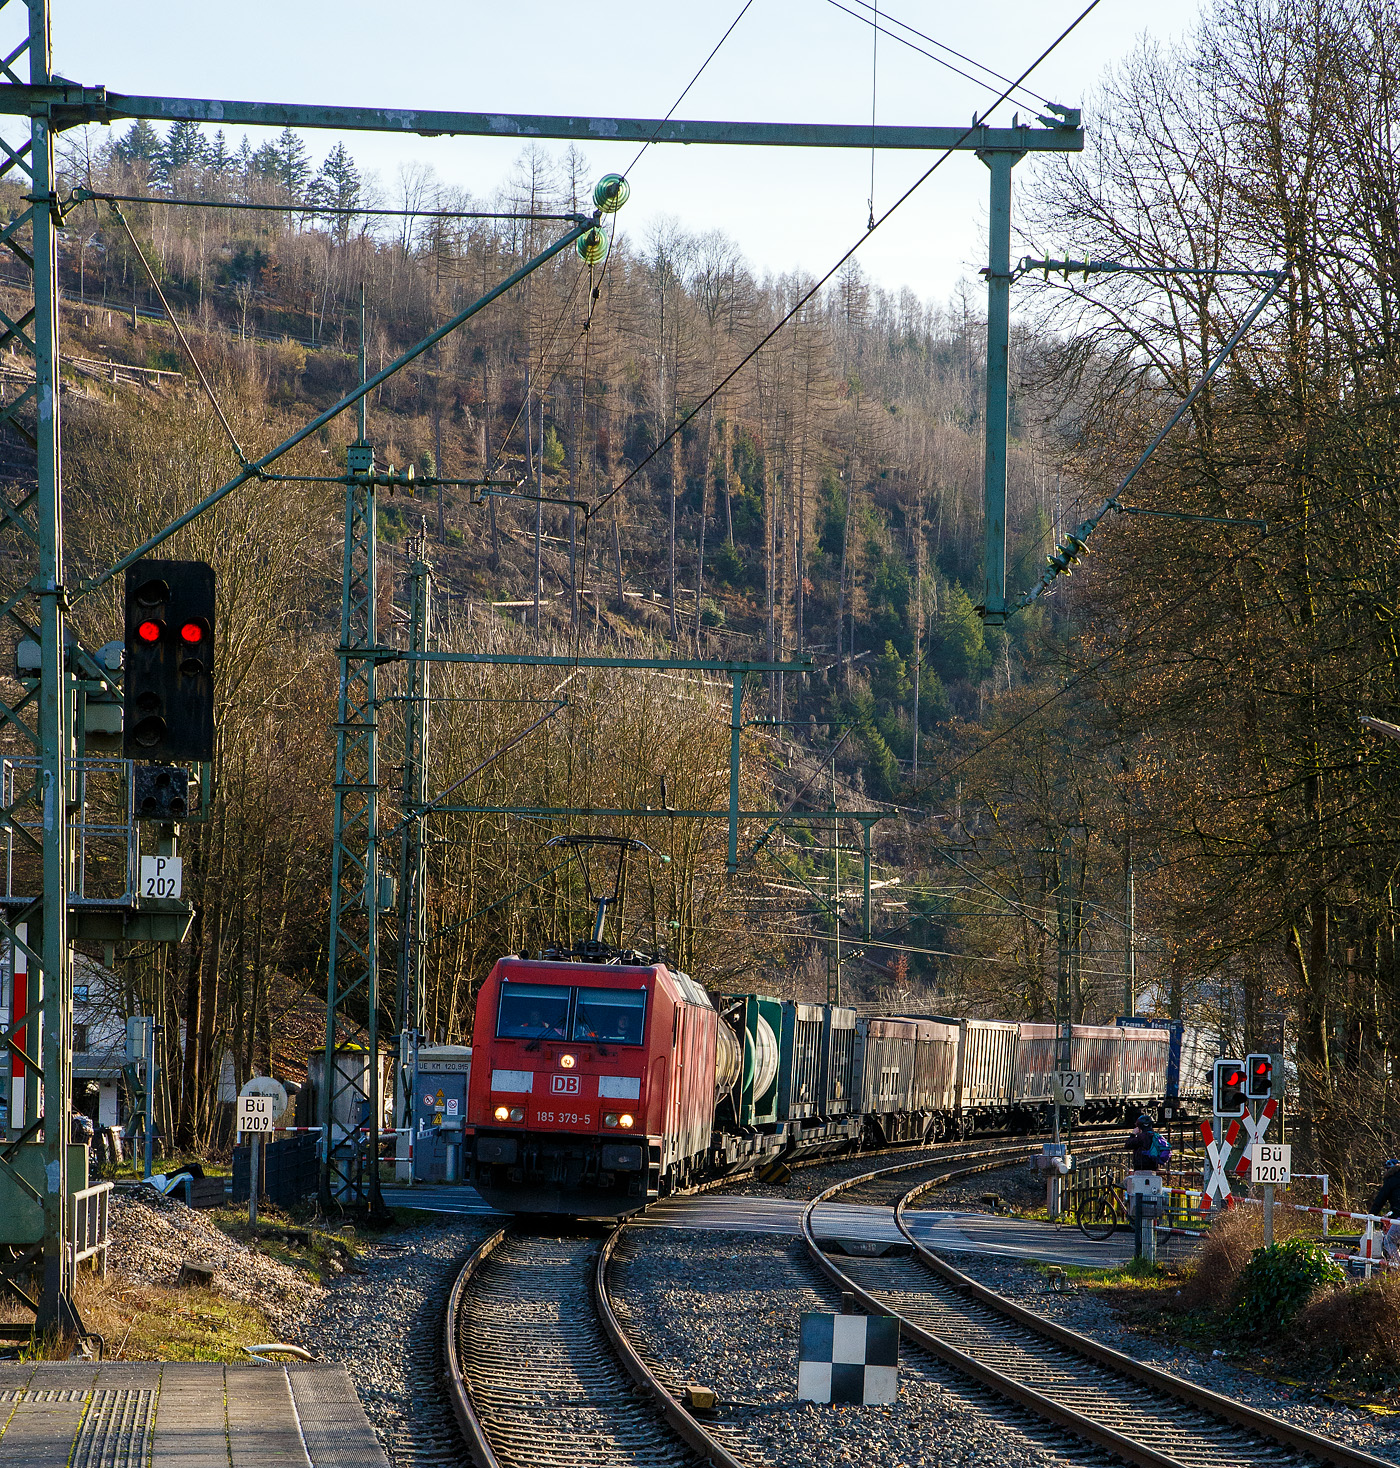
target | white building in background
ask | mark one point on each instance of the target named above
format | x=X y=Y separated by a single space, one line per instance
x=99 y=1041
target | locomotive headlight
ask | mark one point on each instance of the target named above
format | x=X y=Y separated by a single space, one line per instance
x=566 y=1062
x=517 y=1113
x=625 y=1119
x=502 y=1113
x=610 y=1119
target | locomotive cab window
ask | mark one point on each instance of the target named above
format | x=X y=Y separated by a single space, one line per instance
x=613 y=1016
x=533 y=1012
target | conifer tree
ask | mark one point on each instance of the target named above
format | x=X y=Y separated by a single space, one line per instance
x=337 y=186
x=141 y=144
x=184 y=147
x=292 y=167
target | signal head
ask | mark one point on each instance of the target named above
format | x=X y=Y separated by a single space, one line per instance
x=1259 y=1077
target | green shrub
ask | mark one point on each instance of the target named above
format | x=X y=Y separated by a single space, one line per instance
x=711 y=613
x=1278 y=1280
x=729 y=565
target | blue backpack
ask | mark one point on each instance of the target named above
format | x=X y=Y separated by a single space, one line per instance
x=1161 y=1149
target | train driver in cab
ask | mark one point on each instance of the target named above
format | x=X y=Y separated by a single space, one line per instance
x=541 y=1028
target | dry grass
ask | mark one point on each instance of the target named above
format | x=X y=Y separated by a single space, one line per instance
x=1219 y=1262
x=1355 y=1326
x=149 y=1322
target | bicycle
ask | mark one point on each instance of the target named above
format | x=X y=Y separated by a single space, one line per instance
x=1102 y=1211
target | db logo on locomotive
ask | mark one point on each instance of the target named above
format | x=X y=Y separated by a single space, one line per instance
x=564 y=1085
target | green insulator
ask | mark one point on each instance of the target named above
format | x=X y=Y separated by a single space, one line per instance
x=610 y=193
x=593 y=247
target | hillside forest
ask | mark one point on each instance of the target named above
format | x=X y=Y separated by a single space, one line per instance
x=1165 y=748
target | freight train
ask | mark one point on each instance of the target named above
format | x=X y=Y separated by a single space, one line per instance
x=599 y=1086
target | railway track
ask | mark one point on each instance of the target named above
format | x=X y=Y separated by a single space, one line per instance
x=540 y=1369
x=1140 y=1414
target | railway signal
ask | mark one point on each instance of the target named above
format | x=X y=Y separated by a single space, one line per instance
x=1259 y=1077
x=169 y=640
x=1229 y=1088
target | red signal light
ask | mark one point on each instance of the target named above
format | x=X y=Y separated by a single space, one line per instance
x=148 y=631
x=192 y=632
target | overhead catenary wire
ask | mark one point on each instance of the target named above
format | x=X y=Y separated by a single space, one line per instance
x=744 y=10
x=1275 y=528
x=304 y=206
x=805 y=296
x=184 y=341
x=933 y=41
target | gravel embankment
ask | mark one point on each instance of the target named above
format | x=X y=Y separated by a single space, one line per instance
x=722 y=1310
x=153 y=1235
x=1081 y=1310
x=1013 y=1186
x=807 y=1182
x=383 y=1322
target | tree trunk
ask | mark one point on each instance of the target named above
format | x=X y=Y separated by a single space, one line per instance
x=671 y=537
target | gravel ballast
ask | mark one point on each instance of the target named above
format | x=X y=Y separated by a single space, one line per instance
x=722 y=1310
x=1081 y=1310
x=383 y=1323
x=153 y=1235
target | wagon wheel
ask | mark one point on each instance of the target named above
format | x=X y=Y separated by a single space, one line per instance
x=1096 y=1215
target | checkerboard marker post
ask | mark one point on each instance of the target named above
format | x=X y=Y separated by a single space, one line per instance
x=848 y=1358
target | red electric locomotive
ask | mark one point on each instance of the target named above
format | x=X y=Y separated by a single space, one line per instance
x=593 y=1084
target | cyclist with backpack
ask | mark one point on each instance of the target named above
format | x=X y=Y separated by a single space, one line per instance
x=1149 y=1147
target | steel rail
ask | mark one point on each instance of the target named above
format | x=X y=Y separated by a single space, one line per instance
x=1285 y=1433
x=1217 y=1410
x=692 y=1432
x=478 y=1445
x=678 y=1419
x=989 y=1376
x=651 y=1394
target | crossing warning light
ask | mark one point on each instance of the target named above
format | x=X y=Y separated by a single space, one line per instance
x=1259 y=1077
x=1229 y=1088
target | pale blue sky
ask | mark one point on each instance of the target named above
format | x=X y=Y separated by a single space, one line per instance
x=800 y=60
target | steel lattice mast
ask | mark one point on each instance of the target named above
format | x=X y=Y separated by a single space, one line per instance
x=413 y=857
x=352 y=984
x=36 y=609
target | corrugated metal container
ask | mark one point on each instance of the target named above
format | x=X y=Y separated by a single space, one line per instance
x=1097 y=1052
x=935 y=1087
x=839 y=1060
x=987 y=1065
x=885 y=1063
x=800 y=1068
x=1035 y=1064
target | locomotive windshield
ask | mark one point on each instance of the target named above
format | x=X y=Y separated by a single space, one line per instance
x=552 y=1012
x=533 y=1011
x=612 y=1015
